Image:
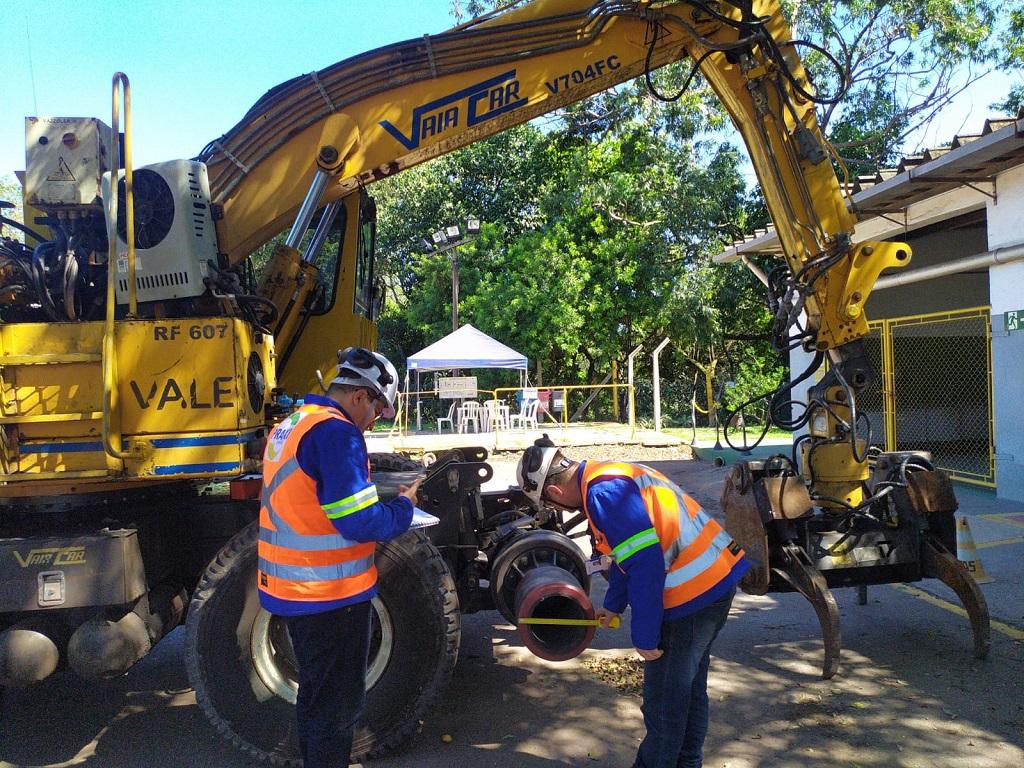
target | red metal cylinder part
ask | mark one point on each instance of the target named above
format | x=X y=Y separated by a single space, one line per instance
x=550 y=592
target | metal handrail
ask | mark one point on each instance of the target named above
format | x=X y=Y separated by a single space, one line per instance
x=120 y=79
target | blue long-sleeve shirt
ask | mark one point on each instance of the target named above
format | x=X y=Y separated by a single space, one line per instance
x=618 y=510
x=333 y=453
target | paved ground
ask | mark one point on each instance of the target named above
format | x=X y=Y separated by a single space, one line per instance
x=908 y=693
x=417 y=443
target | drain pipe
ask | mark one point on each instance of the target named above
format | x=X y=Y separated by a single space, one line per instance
x=1005 y=255
x=758 y=272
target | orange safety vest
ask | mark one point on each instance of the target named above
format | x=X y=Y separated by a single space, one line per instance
x=698 y=553
x=302 y=556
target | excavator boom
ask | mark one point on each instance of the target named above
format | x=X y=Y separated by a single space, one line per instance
x=373 y=115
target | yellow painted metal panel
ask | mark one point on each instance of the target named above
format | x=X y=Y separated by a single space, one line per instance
x=323 y=335
x=47 y=456
x=183 y=397
x=184 y=376
x=194 y=455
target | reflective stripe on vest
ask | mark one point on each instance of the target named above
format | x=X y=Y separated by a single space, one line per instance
x=316 y=572
x=697 y=552
x=689 y=527
x=284 y=536
x=301 y=555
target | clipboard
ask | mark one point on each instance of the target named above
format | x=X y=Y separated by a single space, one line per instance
x=422 y=519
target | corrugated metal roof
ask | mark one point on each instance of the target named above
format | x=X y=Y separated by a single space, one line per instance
x=970 y=159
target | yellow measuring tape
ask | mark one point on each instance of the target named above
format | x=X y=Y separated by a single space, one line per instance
x=613 y=624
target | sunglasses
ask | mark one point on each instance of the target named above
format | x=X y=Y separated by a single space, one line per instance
x=375 y=396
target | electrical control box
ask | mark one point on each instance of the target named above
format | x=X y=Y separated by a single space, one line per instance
x=65 y=159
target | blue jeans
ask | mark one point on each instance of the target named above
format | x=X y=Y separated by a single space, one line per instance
x=331 y=649
x=676 y=689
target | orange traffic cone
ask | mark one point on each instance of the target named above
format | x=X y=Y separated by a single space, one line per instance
x=967 y=554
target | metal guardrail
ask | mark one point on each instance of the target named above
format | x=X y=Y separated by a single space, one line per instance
x=407 y=403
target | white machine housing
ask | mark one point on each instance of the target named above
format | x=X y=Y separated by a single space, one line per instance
x=173 y=267
x=65 y=159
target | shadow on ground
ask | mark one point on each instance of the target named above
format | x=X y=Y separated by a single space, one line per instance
x=908 y=694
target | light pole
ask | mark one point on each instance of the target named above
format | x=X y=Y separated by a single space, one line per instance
x=448 y=240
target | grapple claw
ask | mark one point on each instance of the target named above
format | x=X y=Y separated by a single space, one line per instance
x=808 y=581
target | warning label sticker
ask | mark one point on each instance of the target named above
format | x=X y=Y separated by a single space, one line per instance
x=63 y=172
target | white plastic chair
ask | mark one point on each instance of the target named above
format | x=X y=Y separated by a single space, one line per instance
x=495 y=416
x=450 y=418
x=487 y=416
x=526 y=417
x=469 y=413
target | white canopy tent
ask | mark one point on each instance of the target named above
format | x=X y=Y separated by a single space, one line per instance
x=467 y=347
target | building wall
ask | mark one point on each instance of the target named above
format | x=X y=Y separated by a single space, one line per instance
x=1001 y=287
x=1006 y=292
x=937 y=244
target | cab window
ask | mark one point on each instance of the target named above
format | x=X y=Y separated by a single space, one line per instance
x=328 y=262
x=363 y=303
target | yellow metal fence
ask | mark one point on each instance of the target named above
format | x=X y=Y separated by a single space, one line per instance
x=935 y=390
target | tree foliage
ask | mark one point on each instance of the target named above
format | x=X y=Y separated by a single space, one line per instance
x=901 y=62
x=10 y=192
x=600 y=220
x=594 y=240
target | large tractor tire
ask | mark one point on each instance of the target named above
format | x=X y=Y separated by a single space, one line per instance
x=392 y=462
x=242 y=666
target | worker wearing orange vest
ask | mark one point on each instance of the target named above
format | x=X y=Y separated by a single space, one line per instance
x=671 y=563
x=320 y=519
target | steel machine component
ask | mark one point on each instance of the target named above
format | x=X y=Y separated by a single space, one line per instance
x=29 y=651
x=901 y=531
x=552 y=594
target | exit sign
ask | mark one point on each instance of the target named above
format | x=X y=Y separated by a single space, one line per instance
x=1015 y=320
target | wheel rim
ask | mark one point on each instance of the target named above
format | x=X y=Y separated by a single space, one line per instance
x=273 y=657
x=382 y=642
x=530 y=551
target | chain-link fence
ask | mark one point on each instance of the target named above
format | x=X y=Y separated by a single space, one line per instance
x=934 y=390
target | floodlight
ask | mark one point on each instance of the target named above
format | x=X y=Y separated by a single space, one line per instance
x=453 y=232
x=472 y=226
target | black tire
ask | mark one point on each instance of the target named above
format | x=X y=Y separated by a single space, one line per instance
x=392 y=462
x=237 y=654
x=418 y=592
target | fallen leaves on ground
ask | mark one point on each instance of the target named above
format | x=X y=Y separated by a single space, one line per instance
x=625 y=675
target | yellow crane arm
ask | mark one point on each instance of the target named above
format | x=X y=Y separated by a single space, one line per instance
x=378 y=113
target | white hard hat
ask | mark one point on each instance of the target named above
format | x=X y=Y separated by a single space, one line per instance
x=359 y=367
x=535 y=467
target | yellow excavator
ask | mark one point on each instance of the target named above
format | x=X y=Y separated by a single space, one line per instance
x=143 y=362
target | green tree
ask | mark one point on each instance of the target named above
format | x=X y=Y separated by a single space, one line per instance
x=10 y=192
x=901 y=62
x=493 y=180
x=1013 y=102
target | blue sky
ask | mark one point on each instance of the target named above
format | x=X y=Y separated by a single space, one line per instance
x=196 y=67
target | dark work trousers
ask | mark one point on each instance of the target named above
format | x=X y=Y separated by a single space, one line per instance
x=676 y=689
x=331 y=649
